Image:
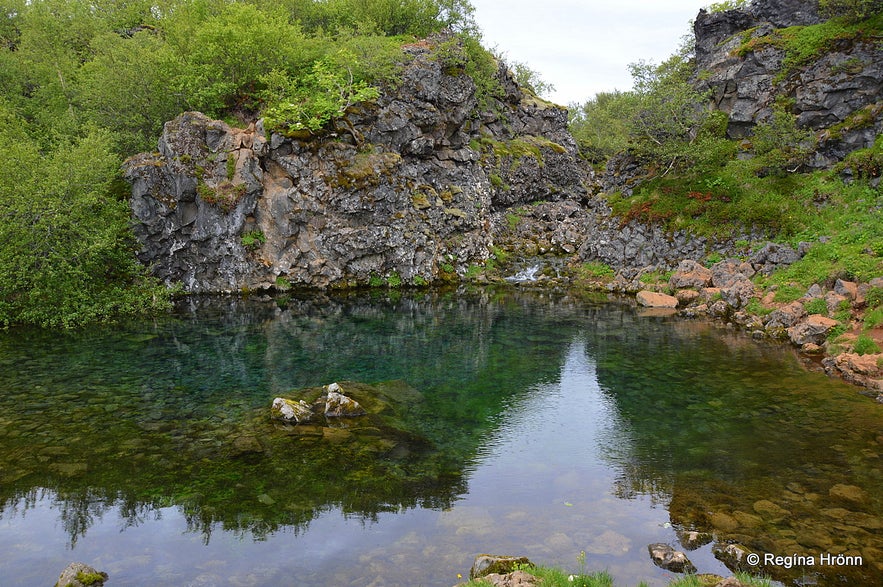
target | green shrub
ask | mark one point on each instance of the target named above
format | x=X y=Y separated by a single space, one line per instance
x=816 y=306
x=66 y=250
x=309 y=103
x=836 y=332
x=728 y=5
x=873 y=318
x=851 y=10
x=874 y=297
x=864 y=345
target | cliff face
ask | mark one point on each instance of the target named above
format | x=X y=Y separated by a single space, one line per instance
x=742 y=57
x=403 y=190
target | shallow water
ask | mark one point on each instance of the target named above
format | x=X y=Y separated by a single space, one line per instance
x=529 y=424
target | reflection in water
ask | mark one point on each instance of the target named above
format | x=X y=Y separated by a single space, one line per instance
x=517 y=423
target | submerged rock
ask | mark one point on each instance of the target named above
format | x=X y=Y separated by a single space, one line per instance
x=514 y=579
x=691 y=539
x=666 y=557
x=486 y=564
x=292 y=412
x=337 y=405
x=330 y=404
x=733 y=556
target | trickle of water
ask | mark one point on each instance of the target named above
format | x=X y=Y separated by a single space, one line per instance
x=525 y=275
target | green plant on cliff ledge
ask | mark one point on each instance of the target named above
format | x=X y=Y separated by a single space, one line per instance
x=851 y=10
x=310 y=103
x=727 y=5
x=805 y=44
x=253 y=239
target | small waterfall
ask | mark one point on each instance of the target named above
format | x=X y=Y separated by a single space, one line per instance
x=525 y=275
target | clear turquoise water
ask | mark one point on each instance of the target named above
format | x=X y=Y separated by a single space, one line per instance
x=534 y=424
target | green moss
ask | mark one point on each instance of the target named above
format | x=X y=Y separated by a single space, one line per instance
x=805 y=44
x=364 y=169
x=420 y=201
x=500 y=255
x=473 y=271
x=88 y=579
x=497 y=181
x=225 y=196
x=864 y=163
x=231 y=165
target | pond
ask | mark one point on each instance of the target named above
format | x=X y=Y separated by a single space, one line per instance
x=538 y=424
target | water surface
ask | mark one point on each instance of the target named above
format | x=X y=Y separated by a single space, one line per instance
x=534 y=424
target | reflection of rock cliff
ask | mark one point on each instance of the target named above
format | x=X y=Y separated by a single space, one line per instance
x=403 y=192
x=177 y=414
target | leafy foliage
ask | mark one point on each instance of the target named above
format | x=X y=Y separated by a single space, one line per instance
x=310 y=103
x=66 y=256
x=84 y=84
x=727 y=5
x=601 y=125
x=852 y=10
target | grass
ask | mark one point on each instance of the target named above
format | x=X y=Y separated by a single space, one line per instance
x=595 y=270
x=756 y=308
x=656 y=277
x=552 y=577
x=816 y=306
x=873 y=318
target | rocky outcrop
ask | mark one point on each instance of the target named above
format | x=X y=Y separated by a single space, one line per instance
x=401 y=191
x=836 y=92
x=81 y=575
x=486 y=564
x=330 y=403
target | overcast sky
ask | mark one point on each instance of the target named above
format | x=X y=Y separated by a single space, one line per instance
x=583 y=47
